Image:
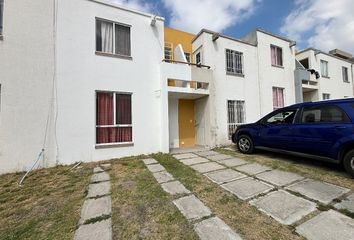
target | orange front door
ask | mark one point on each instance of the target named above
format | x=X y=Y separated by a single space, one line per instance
x=186 y=123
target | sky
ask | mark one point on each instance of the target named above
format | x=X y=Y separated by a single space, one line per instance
x=322 y=24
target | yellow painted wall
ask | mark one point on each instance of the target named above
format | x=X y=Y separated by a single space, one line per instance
x=176 y=37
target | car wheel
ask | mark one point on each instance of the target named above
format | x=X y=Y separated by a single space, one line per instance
x=348 y=162
x=245 y=144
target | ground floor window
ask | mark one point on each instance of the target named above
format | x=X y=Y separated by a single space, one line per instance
x=236 y=115
x=278 y=98
x=326 y=96
x=113 y=117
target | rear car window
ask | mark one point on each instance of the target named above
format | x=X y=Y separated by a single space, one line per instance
x=324 y=113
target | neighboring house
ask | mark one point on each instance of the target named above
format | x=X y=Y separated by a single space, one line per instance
x=334 y=75
x=108 y=82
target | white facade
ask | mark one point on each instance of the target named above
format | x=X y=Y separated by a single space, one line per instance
x=254 y=86
x=333 y=84
x=50 y=73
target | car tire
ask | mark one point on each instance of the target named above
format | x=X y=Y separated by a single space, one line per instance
x=348 y=162
x=245 y=144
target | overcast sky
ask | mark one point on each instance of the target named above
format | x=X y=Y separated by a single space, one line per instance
x=323 y=24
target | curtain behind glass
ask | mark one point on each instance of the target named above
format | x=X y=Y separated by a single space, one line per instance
x=104 y=36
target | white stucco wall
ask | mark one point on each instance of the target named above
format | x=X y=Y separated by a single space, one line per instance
x=26 y=76
x=81 y=72
x=270 y=76
x=173 y=123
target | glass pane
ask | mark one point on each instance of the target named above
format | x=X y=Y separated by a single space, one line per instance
x=104 y=108
x=122 y=41
x=1 y=15
x=285 y=117
x=123 y=109
x=113 y=135
x=104 y=36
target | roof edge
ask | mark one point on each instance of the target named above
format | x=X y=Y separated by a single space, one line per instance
x=322 y=52
x=114 y=5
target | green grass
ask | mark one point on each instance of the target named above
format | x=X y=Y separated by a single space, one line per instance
x=243 y=218
x=141 y=209
x=47 y=206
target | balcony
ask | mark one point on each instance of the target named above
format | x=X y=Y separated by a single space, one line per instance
x=186 y=80
x=308 y=80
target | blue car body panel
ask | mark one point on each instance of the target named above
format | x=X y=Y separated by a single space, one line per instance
x=318 y=139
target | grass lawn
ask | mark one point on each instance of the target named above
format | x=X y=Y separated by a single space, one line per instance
x=141 y=209
x=310 y=168
x=243 y=218
x=47 y=206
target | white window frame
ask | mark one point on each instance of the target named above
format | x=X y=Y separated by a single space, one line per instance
x=234 y=59
x=114 y=119
x=277 y=60
x=231 y=126
x=324 y=68
x=114 y=38
x=326 y=96
x=345 y=76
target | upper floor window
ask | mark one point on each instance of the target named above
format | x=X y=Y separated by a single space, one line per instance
x=112 y=38
x=278 y=98
x=1 y=15
x=276 y=55
x=324 y=68
x=345 y=74
x=168 y=51
x=326 y=96
x=234 y=62
x=198 y=58
x=188 y=57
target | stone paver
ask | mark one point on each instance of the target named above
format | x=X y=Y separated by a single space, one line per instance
x=233 y=162
x=155 y=168
x=174 y=188
x=214 y=228
x=99 y=189
x=149 y=161
x=99 y=230
x=192 y=161
x=100 y=177
x=106 y=165
x=284 y=207
x=97 y=170
x=219 y=157
x=320 y=191
x=329 y=225
x=247 y=188
x=347 y=203
x=207 y=167
x=279 y=178
x=93 y=208
x=192 y=208
x=207 y=153
x=225 y=175
x=162 y=177
x=184 y=156
x=253 y=168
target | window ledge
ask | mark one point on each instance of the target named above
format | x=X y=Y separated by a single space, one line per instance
x=235 y=74
x=113 y=55
x=114 y=145
x=346 y=81
x=277 y=66
x=325 y=77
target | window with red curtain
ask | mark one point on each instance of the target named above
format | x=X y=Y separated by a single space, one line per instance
x=113 y=118
x=276 y=55
x=278 y=98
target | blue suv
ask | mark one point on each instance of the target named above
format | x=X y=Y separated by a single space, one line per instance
x=322 y=130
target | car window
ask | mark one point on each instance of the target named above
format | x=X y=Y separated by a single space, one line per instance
x=283 y=117
x=324 y=113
